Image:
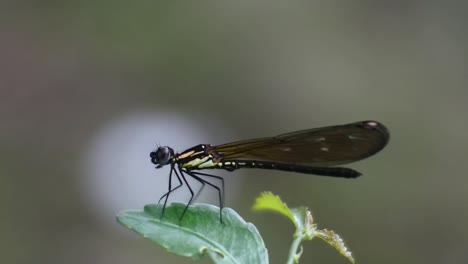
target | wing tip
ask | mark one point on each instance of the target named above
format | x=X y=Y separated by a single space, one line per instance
x=379 y=127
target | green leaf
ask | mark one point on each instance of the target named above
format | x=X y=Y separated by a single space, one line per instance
x=200 y=232
x=335 y=241
x=267 y=201
x=306 y=229
x=300 y=216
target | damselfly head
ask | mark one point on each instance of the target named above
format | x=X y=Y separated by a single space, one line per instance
x=162 y=156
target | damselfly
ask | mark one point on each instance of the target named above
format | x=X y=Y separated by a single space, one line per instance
x=313 y=151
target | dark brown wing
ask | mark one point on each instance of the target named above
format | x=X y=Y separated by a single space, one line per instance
x=327 y=146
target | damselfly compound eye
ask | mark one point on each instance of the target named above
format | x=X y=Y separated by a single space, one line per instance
x=161 y=156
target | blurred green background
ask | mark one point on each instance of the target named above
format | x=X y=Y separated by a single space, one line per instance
x=89 y=88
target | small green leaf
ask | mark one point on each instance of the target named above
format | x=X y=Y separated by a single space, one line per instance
x=300 y=216
x=267 y=201
x=306 y=229
x=335 y=241
x=201 y=232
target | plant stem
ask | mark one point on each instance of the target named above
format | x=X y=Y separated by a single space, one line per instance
x=293 y=250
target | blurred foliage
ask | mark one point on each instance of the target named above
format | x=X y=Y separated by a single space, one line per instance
x=261 y=68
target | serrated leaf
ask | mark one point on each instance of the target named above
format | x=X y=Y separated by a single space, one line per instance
x=267 y=201
x=306 y=229
x=336 y=241
x=200 y=233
